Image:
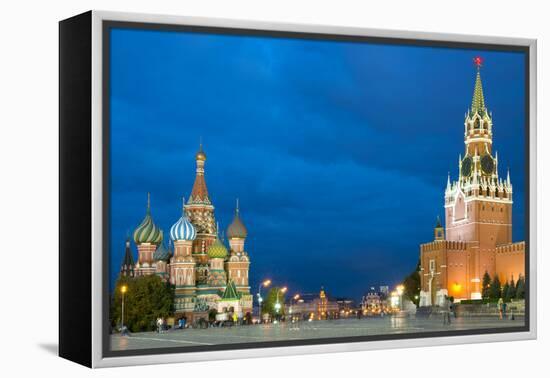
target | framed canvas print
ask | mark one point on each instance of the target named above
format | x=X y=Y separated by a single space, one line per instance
x=232 y=189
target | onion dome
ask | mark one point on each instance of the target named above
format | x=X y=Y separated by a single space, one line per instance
x=147 y=231
x=217 y=250
x=200 y=155
x=162 y=253
x=236 y=229
x=183 y=229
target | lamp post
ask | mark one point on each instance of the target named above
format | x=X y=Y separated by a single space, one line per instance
x=264 y=283
x=278 y=304
x=123 y=290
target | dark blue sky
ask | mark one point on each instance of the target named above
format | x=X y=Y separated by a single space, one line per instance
x=339 y=152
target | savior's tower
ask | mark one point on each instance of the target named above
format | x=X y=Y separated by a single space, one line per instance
x=478 y=216
x=478 y=207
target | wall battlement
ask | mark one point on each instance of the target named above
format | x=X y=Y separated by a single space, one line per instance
x=449 y=245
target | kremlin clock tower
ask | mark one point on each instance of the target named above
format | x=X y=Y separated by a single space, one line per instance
x=478 y=218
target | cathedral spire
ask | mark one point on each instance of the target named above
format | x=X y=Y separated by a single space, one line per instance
x=478 y=100
x=199 y=193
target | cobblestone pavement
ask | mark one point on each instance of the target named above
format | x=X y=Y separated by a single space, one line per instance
x=303 y=330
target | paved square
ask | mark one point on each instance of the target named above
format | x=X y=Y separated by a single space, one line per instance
x=303 y=330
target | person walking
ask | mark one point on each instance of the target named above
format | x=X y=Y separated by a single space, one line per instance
x=499 y=304
x=159 y=324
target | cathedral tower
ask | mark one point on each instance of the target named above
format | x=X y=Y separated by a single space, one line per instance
x=127 y=266
x=238 y=263
x=147 y=237
x=182 y=264
x=200 y=211
x=217 y=277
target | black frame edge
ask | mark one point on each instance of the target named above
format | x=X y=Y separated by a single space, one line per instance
x=75 y=189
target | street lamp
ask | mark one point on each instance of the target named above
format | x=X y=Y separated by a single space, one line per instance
x=123 y=290
x=294 y=298
x=264 y=283
x=400 y=290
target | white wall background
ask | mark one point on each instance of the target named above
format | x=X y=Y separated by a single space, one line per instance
x=28 y=190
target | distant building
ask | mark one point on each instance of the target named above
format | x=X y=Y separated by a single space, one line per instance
x=314 y=306
x=345 y=304
x=371 y=302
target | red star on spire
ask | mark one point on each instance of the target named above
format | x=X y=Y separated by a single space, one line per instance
x=478 y=61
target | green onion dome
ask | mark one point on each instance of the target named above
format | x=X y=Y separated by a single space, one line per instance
x=217 y=250
x=162 y=253
x=147 y=231
x=237 y=229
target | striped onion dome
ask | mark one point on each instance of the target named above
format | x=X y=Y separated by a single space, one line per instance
x=162 y=253
x=147 y=231
x=237 y=229
x=217 y=250
x=183 y=229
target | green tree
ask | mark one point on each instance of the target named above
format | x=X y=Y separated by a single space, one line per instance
x=512 y=290
x=269 y=305
x=412 y=285
x=146 y=299
x=520 y=288
x=495 y=290
x=486 y=286
x=505 y=291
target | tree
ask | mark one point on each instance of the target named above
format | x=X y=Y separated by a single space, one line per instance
x=486 y=286
x=495 y=289
x=505 y=291
x=146 y=299
x=512 y=290
x=520 y=288
x=269 y=305
x=412 y=285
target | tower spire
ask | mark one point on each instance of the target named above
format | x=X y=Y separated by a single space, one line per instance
x=148 y=202
x=478 y=100
x=199 y=193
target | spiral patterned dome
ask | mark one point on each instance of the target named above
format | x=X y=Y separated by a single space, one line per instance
x=217 y=250
x=183 y=229
x=237 y=229
x=162 y=253
x=147 y=231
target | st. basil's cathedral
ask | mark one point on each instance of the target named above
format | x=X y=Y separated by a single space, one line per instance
x=204 y=272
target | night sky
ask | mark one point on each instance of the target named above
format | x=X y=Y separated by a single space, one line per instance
x=338 y=152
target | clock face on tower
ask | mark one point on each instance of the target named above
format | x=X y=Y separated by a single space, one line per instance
x=487 y=164
x=467 y=166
